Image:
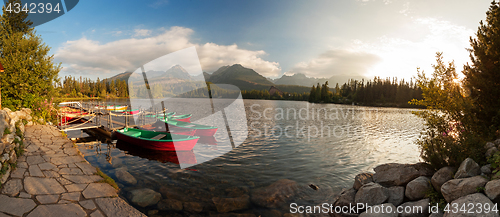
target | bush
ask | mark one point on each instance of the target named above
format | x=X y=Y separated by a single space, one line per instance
x=450 y=133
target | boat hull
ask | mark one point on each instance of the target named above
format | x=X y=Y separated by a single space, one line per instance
x=186 y=145
x=182 y=157
x=133 y=112
x=183 y=118
x=116 y=108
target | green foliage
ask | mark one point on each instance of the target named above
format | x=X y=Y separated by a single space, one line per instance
x=18 y=130
x=494 y=160
x=482 y=77
x=20 y=149
x=378 y=92
x=435 y=197
x=480 y=189
x=29 y=69
x=449 y=137
x=5 y=167
x=72 y=87
x=6 y=131
x=312 y=94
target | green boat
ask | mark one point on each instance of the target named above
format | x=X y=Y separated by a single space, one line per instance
x=157 y=140
x=161 y=115
x=201 y=130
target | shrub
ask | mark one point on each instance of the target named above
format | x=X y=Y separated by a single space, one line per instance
x=450 y=135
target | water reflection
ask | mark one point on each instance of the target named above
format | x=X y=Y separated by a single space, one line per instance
x=181 y=157
x=360 y=139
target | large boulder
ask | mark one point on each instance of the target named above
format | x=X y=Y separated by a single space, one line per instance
x=497 y=142
x=224 y=205
x=486 y=169
x=476 y=200
x=492 y=190
x=346 y=199
x=396 y=195
x=275 y=195
x=394 y=174
x=382 y=210
x=489 y=145
x=361 y=179
x=491 y=151
x=416 y=189
x=415 y=209
x=371 y=194
x=144 y=197
x=468 y=168
x=441 y=176
x=457 y=188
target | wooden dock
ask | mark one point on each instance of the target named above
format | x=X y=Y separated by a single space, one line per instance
x=95 y=116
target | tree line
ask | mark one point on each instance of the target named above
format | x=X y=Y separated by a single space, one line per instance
x=264 y=94
x=84 y=87
x=376 y=92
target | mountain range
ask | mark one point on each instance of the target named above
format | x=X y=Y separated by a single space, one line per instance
x=302 y=80
x=244 y=78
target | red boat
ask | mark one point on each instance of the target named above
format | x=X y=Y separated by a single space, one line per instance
x=161 y=141
x=184 y=118
x=69 y=115
x=131 y=112
x=182 y=157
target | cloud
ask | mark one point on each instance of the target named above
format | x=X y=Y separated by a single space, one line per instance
x=91 y=58
x=337 y=62
x=158 y=3
x=142 y=32
x=116 y=33
x=86 y=56
x=406 y=9
x=402 y=55
x=213 y=56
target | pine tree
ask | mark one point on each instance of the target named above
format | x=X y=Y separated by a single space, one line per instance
x=312 y=94
x=317 y=95
x=324 y=92
x=483 y=77
x=29 y=71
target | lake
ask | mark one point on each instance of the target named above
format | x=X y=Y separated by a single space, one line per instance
x=321 y=144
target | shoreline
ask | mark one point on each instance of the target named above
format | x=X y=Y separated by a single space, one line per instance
x=48 y=176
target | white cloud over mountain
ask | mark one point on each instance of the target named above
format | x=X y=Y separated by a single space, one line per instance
x=337 y=62
x=89 y=57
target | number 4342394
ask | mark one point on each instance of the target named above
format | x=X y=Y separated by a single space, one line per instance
x=32 y=8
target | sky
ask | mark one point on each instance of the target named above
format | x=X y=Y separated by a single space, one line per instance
x=386 y=38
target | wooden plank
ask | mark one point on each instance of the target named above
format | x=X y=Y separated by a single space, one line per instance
x=158 y=137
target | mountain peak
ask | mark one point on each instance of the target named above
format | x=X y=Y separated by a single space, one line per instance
x=236 y=74
x=237 y=65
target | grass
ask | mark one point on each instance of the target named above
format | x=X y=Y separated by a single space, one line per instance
x=106 y=179
x=20 y=149
x=6 y=131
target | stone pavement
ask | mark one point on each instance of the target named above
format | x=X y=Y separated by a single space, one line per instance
x=53 y=179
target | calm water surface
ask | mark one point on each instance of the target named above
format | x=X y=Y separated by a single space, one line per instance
x=321 y=144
